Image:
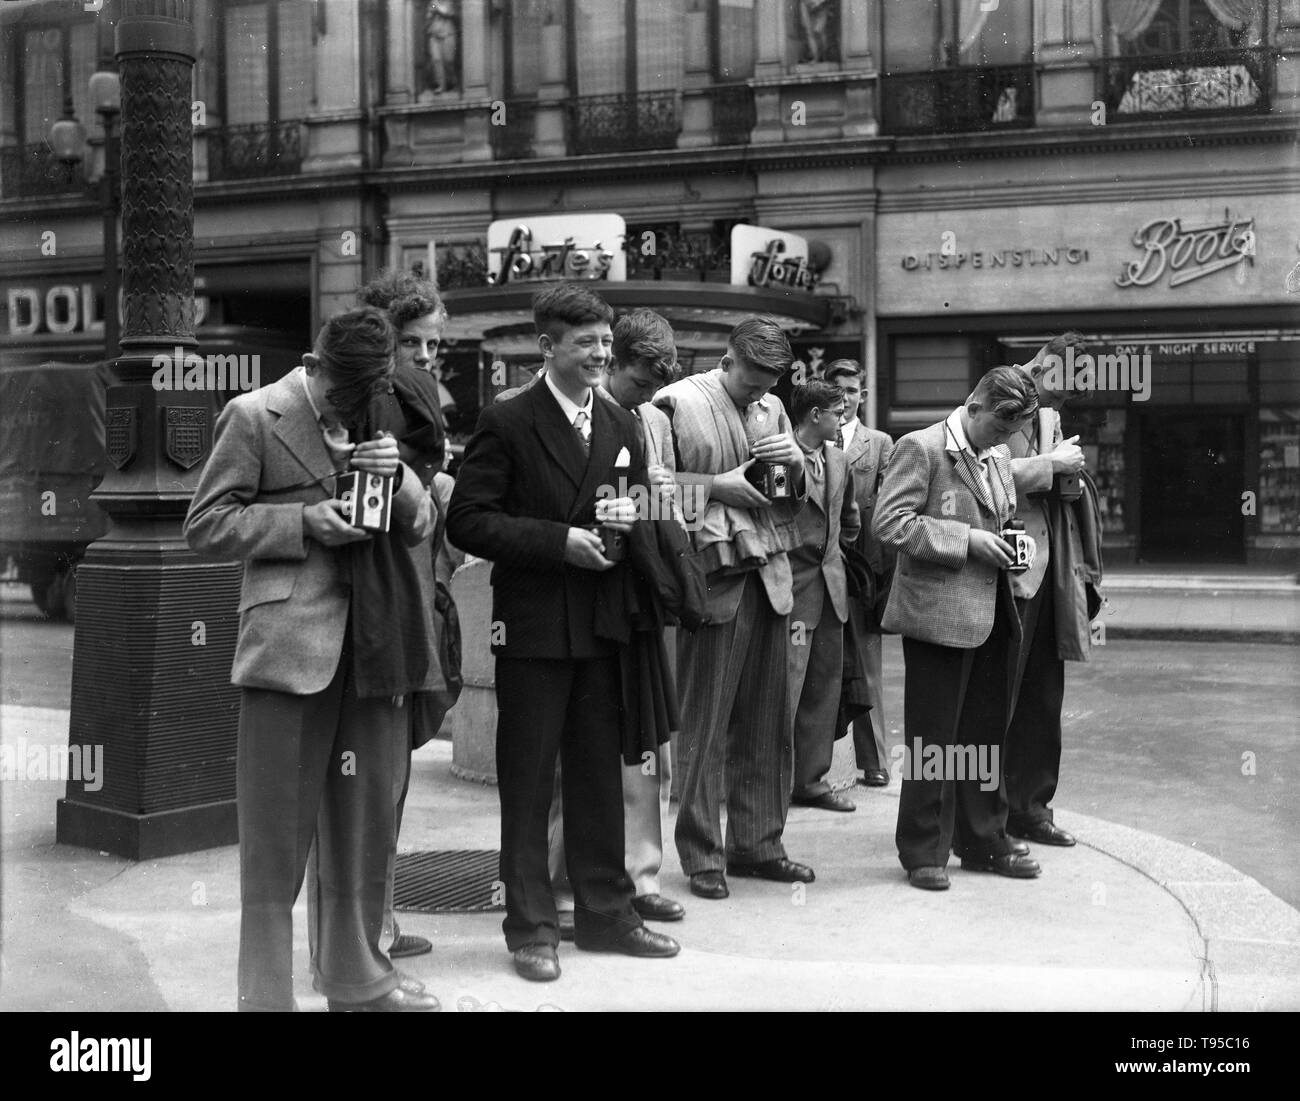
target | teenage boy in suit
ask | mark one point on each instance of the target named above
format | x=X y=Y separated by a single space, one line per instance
x=947 y=493
x=821 y=597
x=317 y=751
x=525 y=498
x=867 y=450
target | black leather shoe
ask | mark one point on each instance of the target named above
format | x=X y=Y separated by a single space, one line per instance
x=642 y=942
x=1044 y=833
x=537 y=963
x=1018 y=847
x=829 y=800
x=709 y=885
x=407 y=944
x=658 y=908
x=1013 y=865
x=397 y=1000
x=930 y=878
x=874 y=778
x=781 y=870
x=566 y=924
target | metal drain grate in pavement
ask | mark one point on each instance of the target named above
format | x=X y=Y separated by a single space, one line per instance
x=457 y=882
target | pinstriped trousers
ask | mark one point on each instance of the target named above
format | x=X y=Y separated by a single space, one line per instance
x=735 y=741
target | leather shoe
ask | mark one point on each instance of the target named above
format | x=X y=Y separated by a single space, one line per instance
x=1018 y=847
x=397 y=1000
x=658 y=908
x=829 y=800
x=566 y=924
x=929 y=878
x=1045 y=833
x=537 y=963
x=407 y=944
x=709 y=885
x=874 y=778
x=781 y=870
x=641 y=942
x=1014 y=865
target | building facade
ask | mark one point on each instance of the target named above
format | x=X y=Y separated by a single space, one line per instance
x=969 y=176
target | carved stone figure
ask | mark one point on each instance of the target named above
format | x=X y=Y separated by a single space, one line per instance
x=442 y=38
x=817 y=20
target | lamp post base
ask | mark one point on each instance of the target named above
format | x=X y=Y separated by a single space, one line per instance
x=146 y=836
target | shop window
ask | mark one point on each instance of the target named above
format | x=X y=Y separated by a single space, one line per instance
x=1279 y=373
x=1279 y=471
x=931 y=370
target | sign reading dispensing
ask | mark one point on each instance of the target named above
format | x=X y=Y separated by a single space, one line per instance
x=557 y=246
x=763 y=257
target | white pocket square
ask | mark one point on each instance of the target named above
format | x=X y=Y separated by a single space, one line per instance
x=624 y=458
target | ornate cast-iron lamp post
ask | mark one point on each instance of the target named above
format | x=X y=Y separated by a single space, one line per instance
x=156 y=626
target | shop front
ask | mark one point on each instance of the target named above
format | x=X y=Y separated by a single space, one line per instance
x=1190 y=386
x=489 y=341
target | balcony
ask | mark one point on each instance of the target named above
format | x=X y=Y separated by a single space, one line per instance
x=734 y=116
x=256 y=150
x=32 y=171
x=623 y=123
x=1196 y=82
x=960 y=100
x=686 y=257
x=512 y=138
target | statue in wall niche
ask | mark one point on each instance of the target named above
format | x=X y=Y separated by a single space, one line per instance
x=819 y=23
x=442 y=40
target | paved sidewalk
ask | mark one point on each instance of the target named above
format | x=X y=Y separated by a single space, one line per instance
x=1125 y=921
x=1238 y=605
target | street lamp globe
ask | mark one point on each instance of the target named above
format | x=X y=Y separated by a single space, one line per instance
x=68 y=137
x=106 y=91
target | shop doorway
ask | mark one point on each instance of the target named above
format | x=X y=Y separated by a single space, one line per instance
x=1192 y=479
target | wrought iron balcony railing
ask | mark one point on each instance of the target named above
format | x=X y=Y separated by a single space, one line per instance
x=960 y=100
x=733 y=113
x=255 y=150
x=623 y=123
x=30 y=171
x=513 y=131
x=1235 y=80
x=699 y=256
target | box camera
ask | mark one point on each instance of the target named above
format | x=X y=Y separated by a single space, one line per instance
x=772 y=480
x=368 y=497
x=1023 y=546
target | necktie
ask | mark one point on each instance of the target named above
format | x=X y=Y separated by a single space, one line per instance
x=580 y=427
x=839 y=438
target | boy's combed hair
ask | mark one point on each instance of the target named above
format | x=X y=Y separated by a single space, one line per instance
x=842 y=368
x=566 y=306
x=815 y=394
x=760 y=342
x=404 y=296
x=642 y=337
x=1072 y=338
x=356 y=350
x=1006 y=392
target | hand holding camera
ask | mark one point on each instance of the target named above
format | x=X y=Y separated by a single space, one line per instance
x=378 y=456
x=1067 y=458
x=1022 y=545
x=990 y=549
x=327 y=523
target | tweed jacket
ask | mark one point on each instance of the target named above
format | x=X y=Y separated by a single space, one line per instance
x=822 y=526
x=268 y=461
x=929 y=502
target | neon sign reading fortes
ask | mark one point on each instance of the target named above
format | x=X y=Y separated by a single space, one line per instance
x=1187 y=253
x=768 y=269
x=547 y=247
